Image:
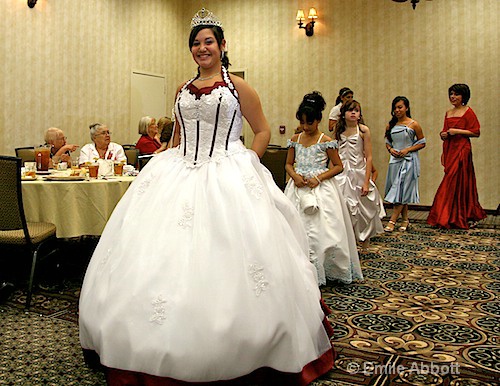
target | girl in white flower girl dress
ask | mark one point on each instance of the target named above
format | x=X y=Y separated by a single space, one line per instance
x=332 y=244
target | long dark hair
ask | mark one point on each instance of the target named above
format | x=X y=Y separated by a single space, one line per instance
x=219 y=36
x=311 y=107
x=341 y=125
x=343 y=92
x=394 y=119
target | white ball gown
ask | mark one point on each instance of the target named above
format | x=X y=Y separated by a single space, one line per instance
x=201 y=273
x=332 y=244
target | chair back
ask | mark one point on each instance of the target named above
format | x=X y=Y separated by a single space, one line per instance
x=274 y=159
x=143 y=160
x=27 y=154
x=132 y=155
x=11 y=202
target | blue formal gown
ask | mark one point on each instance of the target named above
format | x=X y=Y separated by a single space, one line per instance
x=401 y=185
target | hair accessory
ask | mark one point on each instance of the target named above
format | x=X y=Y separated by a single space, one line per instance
x=348 y=91
x=205 y=17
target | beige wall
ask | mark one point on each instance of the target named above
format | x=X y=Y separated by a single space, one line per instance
x=68 y=64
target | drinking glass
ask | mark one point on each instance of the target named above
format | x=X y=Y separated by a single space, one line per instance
x=118 y=168
x=55 y=161
x=74 y=161
x=93 y=170
x=30 y=169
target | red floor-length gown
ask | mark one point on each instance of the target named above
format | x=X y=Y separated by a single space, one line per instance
x=456 y=201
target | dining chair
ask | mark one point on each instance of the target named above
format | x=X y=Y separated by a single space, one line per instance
x=15 y=231
x=143 y=160
x=26 y=154
x=274 y=159
x=132 y=156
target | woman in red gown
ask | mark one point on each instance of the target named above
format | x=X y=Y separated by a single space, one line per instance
x=456 y=204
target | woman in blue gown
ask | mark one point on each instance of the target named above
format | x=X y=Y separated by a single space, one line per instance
x=404 y=138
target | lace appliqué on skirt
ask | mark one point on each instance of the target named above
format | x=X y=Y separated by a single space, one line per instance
x=144 y=185
x=256 y=272
x=159 y=310
x=253 y=185
x=187 y=217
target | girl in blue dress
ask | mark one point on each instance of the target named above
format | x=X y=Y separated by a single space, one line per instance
x=332 y=244
x=404 y=138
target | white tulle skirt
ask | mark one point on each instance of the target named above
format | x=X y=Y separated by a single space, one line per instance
x=332 y=243
x=202 y=274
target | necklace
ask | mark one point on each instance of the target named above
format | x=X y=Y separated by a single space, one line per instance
x=209 y=77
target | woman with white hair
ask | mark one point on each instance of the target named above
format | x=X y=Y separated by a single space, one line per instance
x=101 y=146
x=149 y=143
x=56 y=139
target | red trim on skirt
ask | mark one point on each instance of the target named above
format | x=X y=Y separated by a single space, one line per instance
x=262 y=376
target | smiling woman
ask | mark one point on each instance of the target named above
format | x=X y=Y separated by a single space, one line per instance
x=176 y=287
x=102 y=147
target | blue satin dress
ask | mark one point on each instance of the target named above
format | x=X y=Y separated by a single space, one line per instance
x=401 y=185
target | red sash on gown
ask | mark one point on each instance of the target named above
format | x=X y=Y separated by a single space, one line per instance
x=456 y=201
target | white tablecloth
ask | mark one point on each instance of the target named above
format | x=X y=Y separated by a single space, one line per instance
x=76 y=208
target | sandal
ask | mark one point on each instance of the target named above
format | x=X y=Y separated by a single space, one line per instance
x=390 y=228
x=405 y=225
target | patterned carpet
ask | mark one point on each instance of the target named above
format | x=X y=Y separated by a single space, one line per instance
x=427 y=314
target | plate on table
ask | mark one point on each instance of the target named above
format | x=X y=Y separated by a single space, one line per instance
x=65 y=178
x=28 y=178
x=43 y=172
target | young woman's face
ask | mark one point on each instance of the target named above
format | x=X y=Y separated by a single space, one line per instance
x=455 y=99
x=347 y=97
x=400 y=110
x=205 y=50
x=309 y=128
x=353 y=115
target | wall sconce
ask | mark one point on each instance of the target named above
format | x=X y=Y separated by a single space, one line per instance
x=31 y=3
x=309 y=27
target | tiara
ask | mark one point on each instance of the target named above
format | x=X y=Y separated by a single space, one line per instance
x=205 y=17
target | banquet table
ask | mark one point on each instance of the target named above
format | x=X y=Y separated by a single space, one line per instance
x=76 y=208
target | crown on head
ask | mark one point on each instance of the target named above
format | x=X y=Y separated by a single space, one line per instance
x=205 y=17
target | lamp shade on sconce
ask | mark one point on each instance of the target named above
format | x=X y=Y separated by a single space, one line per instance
x=313 y=14
x=300 y=15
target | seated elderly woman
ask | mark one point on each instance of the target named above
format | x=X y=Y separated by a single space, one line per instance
x=149 y=143
x=102 y=147
x=56 y=139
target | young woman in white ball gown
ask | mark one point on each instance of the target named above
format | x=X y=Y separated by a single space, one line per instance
x=202 y=273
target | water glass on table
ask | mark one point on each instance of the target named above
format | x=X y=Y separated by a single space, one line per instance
x=74 y=161
x=30 y=169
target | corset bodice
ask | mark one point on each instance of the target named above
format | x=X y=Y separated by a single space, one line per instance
x=210 y=120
